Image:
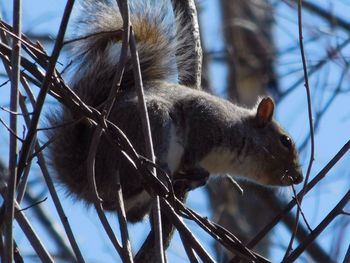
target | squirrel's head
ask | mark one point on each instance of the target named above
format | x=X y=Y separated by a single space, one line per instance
x=275 y=155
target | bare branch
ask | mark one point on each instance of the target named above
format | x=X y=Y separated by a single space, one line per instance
x=51 y=227
x=27 y=229
x=9 y=203
x=12 y=132
x=42 y=164
x=347 y=255
x=45 y=87
x=314 y=234
x=311 y=127
x=146 y=127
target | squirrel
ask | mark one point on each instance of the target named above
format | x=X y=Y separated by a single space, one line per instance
x=192 y=130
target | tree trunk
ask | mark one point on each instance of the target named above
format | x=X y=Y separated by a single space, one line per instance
x=250 y=53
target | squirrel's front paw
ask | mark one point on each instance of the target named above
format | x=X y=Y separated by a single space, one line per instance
x=190 y=179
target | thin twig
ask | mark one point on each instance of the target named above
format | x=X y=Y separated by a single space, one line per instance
x=169 y=210
x=315 y=250
x=146 y=127
x=51 y=227
x=42 y=147
x=32 y=237
x=58 y=205
x=28 y=230
x=11 y=131
x=23 y=39
x=22 y=185
x=219 y=233
x=13 y=175
x=122 y=220
x=300 y=209
x=109 y=231
x=17 y=257
x=15 y=113
x=311 y=127
x=97 y=200
x=23 y=182
x=124 y=33
x=113 y=33
x=32 y=205
x=189 y=250
x=318 y=230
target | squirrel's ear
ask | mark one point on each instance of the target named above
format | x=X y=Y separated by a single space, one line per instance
x=265 y=111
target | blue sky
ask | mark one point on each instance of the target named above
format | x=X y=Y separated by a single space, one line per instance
x=334 y=130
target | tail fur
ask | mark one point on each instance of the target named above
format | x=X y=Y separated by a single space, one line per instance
x=96 y=52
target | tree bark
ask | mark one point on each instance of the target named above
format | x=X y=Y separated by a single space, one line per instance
x=250 y=53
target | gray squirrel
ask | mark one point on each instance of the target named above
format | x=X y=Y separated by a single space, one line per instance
x=192 y=130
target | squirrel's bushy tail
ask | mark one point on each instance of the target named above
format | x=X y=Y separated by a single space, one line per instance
x=96 y=50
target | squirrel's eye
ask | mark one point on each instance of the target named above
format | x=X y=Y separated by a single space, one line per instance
x=286 y=141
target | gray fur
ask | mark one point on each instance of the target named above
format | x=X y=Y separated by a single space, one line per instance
x=204 y=125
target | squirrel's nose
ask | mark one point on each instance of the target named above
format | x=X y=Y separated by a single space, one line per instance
x=298 y=178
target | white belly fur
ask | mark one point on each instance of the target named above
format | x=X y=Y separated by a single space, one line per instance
x=174 y=155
